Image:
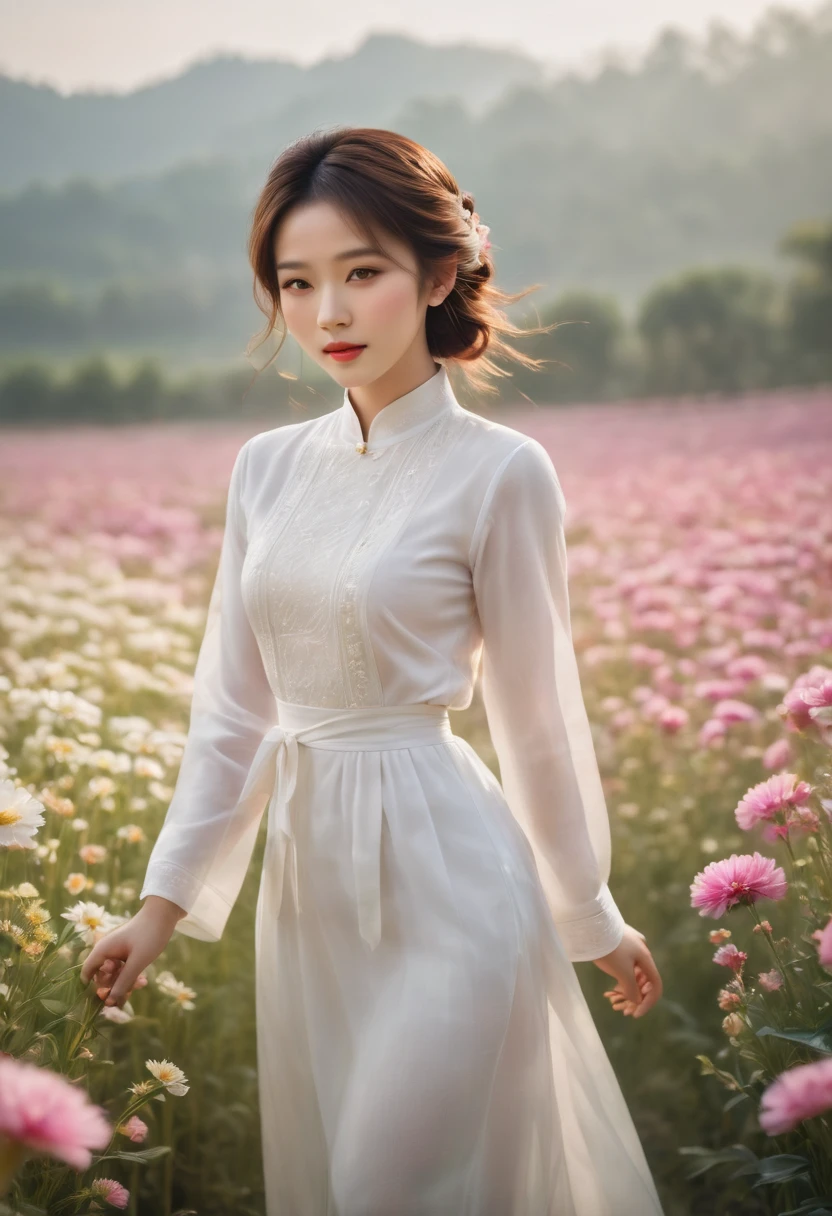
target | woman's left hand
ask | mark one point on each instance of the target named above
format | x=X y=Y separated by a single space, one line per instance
x=631 y=964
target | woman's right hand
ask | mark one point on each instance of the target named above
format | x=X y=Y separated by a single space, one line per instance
x=117 y=960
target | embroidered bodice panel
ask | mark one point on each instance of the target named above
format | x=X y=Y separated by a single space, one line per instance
x=357 y=578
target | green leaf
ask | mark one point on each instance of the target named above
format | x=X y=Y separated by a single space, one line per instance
x=59 y=1007
x=783 y=1167
x=815 y=1206
x=140 y=1157
x=709 y=1069
x=709 y=1157
x=819 y=1039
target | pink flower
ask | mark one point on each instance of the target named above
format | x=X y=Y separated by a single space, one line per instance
x=734 y=880
x=712 y=731
x=747 y=667
x=776 y=795
x=135 y=1128
x=770 y=980
x=824 y=939
x=111 y=1192
x=819 y=702
x=800 y=1093
x=735 y=711
x=801 y=819
x=48 y=1114
x=733 y=1024
x=716 y=690
x=728 y=1000
x=808 y=692
x=730 y=956
x=672 y=718
x=777 y=755
x=717 y=936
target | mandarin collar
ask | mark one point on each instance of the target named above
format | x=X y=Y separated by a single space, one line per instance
x=402 y=417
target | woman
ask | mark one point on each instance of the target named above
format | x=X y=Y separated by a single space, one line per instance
x=424 y=1046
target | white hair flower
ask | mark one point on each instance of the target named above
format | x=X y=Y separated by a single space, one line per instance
x=482 y=230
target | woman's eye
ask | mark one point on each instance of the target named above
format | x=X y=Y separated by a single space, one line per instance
x=362 y=270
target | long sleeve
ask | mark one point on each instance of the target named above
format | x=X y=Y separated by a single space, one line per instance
x=203 y=850
x=533 y=700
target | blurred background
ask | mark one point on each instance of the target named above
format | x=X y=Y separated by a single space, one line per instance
x=663 y=172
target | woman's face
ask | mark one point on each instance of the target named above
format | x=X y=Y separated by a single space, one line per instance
x=334 y=289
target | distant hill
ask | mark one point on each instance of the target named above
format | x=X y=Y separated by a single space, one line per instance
x=123 y=219
x=230 y=106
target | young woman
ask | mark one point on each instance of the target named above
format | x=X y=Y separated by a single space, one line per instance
x=424 y=1047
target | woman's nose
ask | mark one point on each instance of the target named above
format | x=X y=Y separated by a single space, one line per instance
x=332 y=309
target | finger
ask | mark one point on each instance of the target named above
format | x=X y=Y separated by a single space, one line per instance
x=651 y=974
x=123 y=985
x=101 y=951
x=629 y=986
x=90 y=965
x=105 y=983
x=106 y=972
x=620 y=1004
x=653 y=986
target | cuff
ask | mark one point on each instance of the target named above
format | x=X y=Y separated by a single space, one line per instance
x=596 y=934
x=207 y=911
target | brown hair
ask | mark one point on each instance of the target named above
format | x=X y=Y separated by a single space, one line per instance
x=384 y=181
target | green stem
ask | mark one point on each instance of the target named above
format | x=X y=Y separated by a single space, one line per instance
x=824 y=865
x=167 y=1137
x=770 y=939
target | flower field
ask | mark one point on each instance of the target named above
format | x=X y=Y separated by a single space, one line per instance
x=700 y=560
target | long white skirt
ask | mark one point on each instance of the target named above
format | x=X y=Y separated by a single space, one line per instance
x=424 y=1047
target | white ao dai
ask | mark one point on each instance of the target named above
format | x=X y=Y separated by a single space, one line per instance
x=423 y=1044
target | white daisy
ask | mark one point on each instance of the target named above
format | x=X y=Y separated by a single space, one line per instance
x=147 y=766
x=114 y=1013
x=179 y=993
x=91 y=921
x=20 y=816
x=172 y=1077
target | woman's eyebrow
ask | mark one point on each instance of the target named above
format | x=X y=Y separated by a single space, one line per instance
x=339 y=257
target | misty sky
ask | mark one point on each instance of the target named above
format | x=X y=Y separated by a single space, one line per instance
x=119 y=44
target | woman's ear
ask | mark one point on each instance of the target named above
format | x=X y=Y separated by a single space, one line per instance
x=443 y=281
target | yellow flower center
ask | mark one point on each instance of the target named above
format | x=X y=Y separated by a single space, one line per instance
x=8 y=816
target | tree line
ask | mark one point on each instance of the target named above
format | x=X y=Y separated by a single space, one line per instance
x=725 y=329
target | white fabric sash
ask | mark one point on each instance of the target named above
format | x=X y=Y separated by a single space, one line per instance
x=273 y=774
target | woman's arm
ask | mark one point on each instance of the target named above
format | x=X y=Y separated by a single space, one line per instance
x=205 y=845
x=533 y=699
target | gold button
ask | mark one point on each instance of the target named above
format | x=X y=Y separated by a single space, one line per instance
x=361 y=447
